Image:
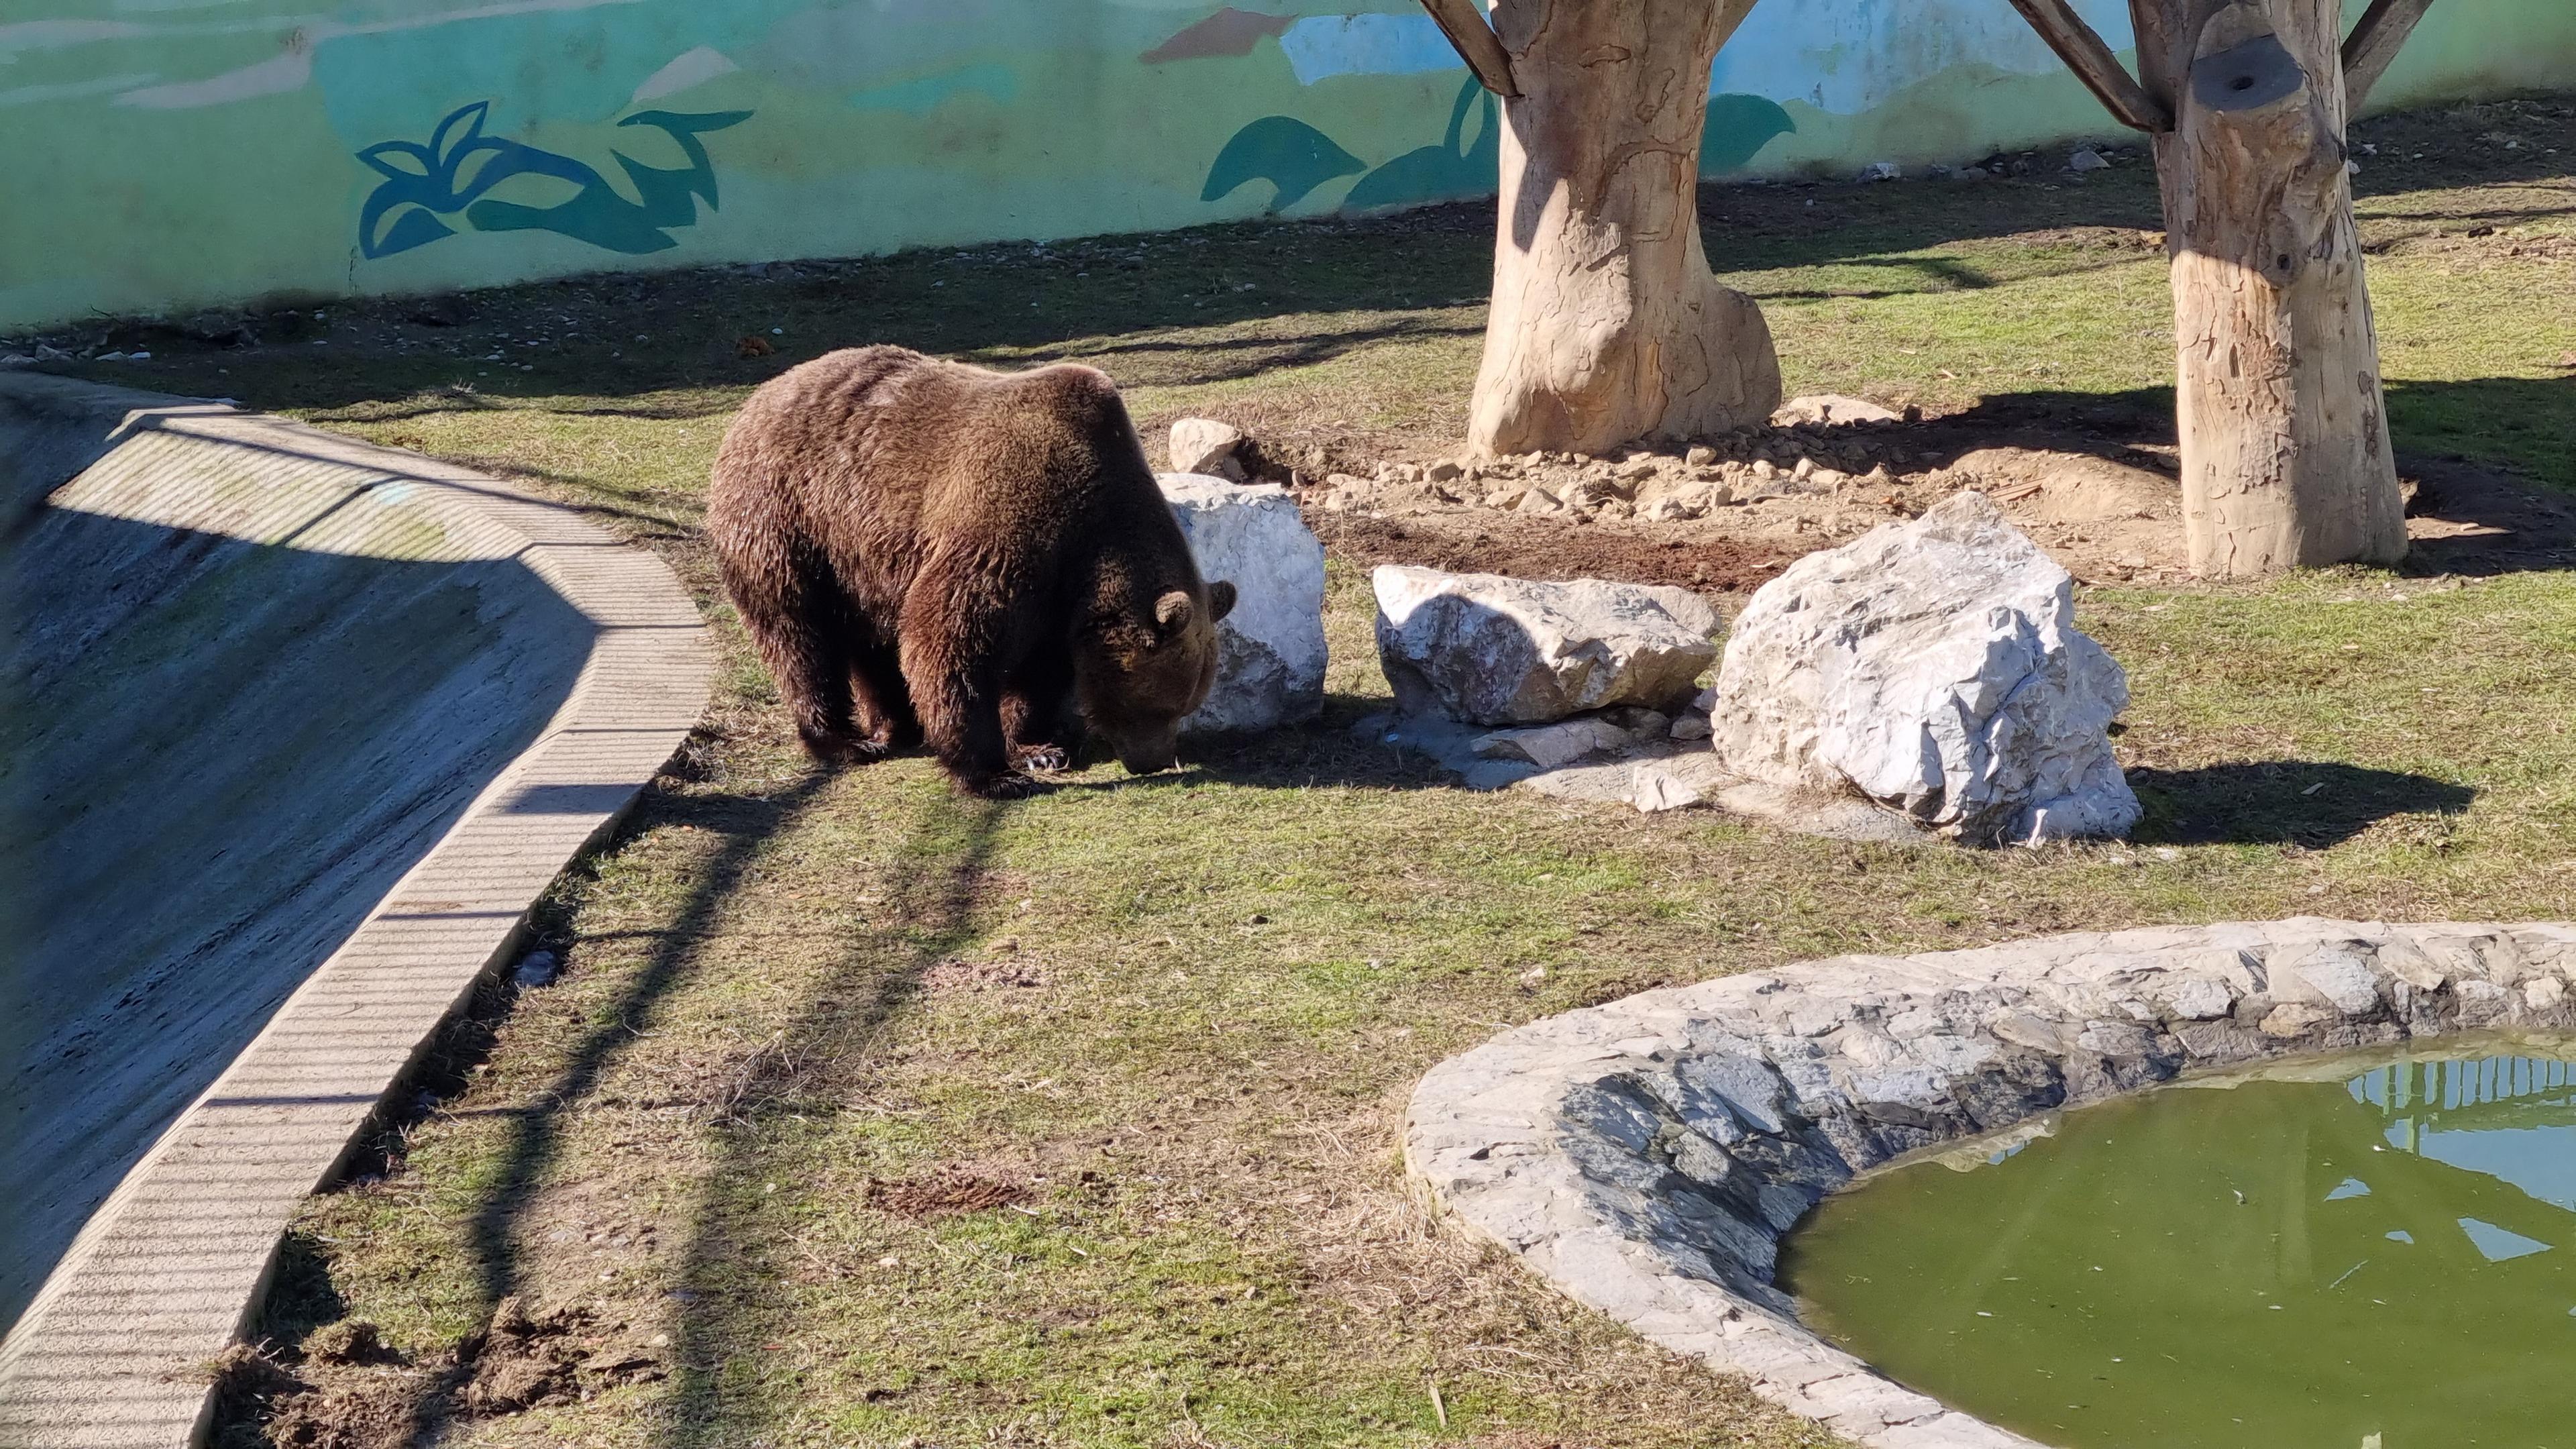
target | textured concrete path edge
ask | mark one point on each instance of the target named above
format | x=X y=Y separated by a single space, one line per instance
x=1646 y=1156
x=171 y=1269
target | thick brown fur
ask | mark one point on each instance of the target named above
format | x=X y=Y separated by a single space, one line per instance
x=926 y=550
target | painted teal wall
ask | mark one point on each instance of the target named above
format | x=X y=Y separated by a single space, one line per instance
x=164 y=155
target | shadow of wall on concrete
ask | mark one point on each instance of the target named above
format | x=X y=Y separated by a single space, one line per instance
x=217 y=754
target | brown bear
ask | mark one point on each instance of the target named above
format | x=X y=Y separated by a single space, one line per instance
x=923 y=549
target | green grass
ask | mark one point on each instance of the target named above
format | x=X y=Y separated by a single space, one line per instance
x=772 y=998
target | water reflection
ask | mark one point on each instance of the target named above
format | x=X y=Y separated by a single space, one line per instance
x=2307 y=1256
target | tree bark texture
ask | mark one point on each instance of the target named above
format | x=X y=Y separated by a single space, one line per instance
x=1607 y=326
x=2285 y=451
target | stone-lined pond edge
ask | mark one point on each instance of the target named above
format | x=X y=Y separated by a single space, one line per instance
x=1648 y=1155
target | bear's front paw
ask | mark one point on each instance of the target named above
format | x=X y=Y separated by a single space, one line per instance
x=834 y=747
x=1042 y=759
x=1005 y=787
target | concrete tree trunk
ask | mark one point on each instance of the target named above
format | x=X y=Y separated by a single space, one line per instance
x=1607 y=326
x=2285 y=452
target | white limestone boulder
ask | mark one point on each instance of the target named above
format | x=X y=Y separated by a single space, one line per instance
x=1206 y=446
x=1502 y=651
x=1935 y=667
x=1270 y=649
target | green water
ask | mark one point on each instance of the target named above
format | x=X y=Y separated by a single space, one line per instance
x=2377 y=1253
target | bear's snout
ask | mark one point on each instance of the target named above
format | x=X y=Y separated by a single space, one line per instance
x=1144 y=752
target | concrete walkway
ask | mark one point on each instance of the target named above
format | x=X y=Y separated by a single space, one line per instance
x=283 y=719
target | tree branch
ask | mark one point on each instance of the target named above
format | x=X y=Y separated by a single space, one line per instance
x=1475 y=43
x=2374 y=43
x=2084 y=52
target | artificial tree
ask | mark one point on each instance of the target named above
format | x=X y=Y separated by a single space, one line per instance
x=1606 y=326
x=2285 y=455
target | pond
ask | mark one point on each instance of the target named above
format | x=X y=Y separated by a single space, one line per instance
x=2373 y=1252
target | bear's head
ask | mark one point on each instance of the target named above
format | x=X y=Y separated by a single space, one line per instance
x=1137 y=678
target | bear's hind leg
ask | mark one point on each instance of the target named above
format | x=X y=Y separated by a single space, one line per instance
x=803 y=629
x=885 y=710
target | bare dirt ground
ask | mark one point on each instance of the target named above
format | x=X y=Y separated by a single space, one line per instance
x=2101 y=496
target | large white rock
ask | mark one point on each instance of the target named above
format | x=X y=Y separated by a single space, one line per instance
x=1499 y=650
x=1270 y=659
x=1206 y=446
x=1935 y=667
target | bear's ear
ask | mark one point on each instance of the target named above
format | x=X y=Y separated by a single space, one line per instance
x=1172 y=610
x=1220 y=600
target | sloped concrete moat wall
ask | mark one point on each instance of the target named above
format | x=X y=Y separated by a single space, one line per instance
x=330 y=147
x=244 y=697
x=261 y=691
x=1647 y=1156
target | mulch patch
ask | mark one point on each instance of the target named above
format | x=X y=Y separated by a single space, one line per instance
x=945 y=1193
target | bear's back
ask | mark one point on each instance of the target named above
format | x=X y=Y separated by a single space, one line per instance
x=878 y=456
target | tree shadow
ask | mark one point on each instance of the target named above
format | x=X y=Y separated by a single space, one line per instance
x=810 y=1073
x=535 y=1132
x=2313 y=804
x=2527 y=423
x=2488 y=457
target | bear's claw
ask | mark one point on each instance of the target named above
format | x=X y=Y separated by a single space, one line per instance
x=842 y=749
x=1012 y=786
x=1043 y=759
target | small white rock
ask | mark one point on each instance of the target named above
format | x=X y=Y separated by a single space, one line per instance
x=1207 y=447
x=1552 y=746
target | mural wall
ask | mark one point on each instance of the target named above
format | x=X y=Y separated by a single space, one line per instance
x=164 y=155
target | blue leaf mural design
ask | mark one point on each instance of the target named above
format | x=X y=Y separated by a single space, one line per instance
x=1443 y=172
x=1297 y=158
x=1739 y=126
x=449 y=176
x=1284 y=151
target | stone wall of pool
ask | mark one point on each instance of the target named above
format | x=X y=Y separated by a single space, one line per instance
x=1648 y=1155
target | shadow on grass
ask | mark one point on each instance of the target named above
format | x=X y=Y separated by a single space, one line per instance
x=536 y=1129
x=2282 y=802
x=809 y=1073
x=2527 y=423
